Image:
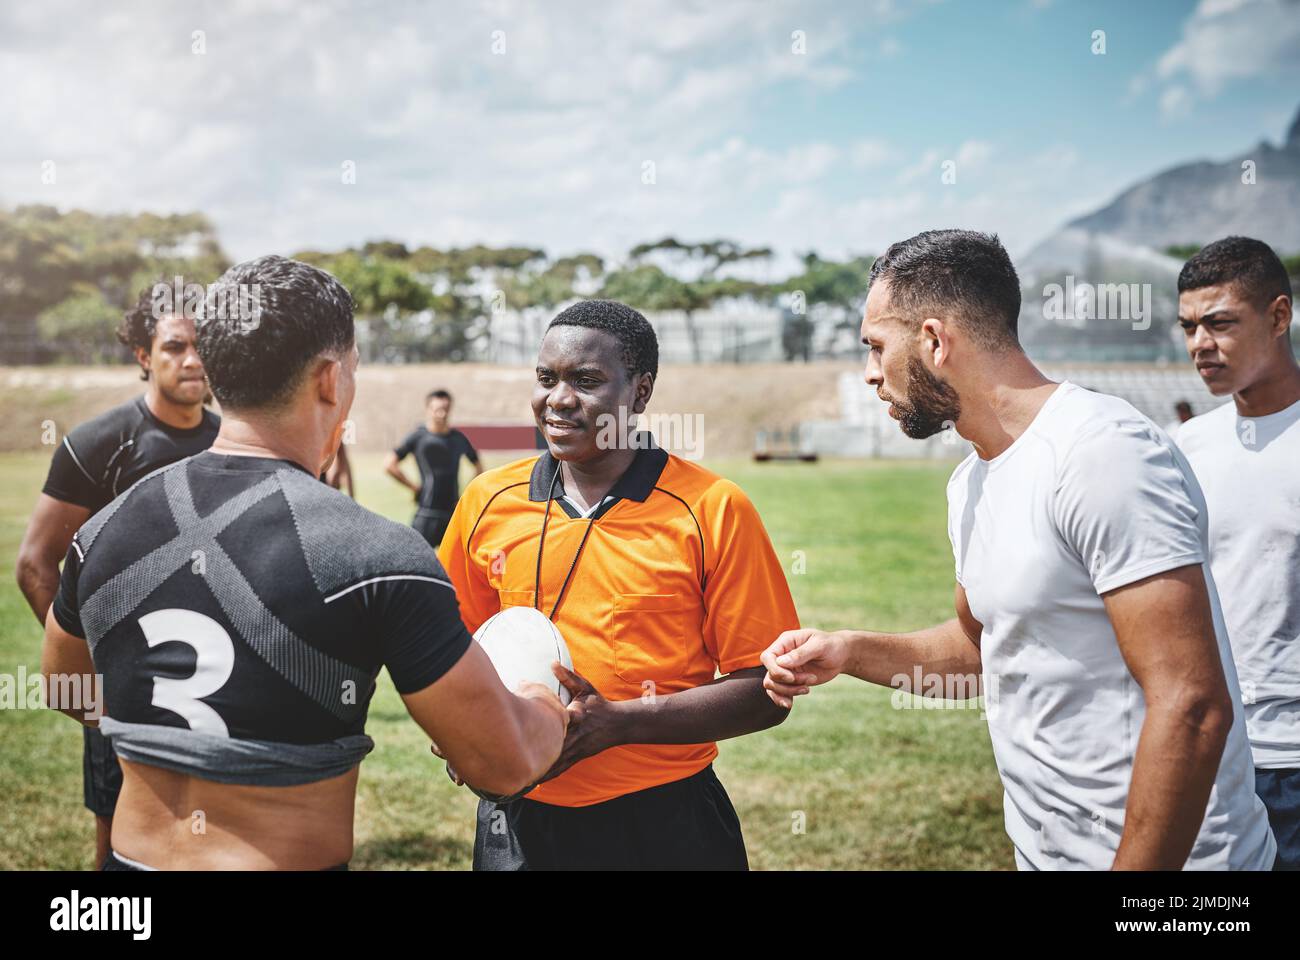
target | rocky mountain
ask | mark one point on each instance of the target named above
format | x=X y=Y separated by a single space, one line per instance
x=1122 y=245
x=1199 y=202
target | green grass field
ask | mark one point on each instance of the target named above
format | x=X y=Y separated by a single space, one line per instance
x=847 y=782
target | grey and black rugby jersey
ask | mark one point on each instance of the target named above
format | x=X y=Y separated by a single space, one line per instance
x=438 y=457
x=240 y=598
x=102 y=457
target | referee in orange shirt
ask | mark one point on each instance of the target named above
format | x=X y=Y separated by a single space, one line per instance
x=665 y=586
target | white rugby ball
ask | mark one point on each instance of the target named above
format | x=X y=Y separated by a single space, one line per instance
x=522 y=643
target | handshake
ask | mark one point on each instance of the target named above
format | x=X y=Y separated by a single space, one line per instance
x=801 y=659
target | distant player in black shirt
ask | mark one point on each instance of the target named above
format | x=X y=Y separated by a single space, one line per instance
x=240 y=611
x=103 y=458
x=438 y=449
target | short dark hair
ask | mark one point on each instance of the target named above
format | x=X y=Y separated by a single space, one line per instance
x=1250 y=265
x=257 y=359
x=962 y=270
x=138 y=325
x=438 y=394
x=634 y=332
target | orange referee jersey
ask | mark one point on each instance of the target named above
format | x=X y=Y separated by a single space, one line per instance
x=676 y=583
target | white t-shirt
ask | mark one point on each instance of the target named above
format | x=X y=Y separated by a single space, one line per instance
x=1093 y=496
x=1249 y=468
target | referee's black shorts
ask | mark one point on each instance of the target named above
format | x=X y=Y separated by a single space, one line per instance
x=101 y=773
x=689 y=824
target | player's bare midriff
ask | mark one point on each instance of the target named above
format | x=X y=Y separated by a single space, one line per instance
x=171 y=821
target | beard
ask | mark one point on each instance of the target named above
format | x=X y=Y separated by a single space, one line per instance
x=183 y=396
x=931 y=405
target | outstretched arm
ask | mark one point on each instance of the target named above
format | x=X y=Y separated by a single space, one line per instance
x=727 y=707
x=499 y=741
x=801 y=659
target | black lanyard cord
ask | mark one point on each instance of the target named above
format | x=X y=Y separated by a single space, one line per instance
x=541 y=545
x=537 y=581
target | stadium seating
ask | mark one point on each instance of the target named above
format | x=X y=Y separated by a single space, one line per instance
x=865 y=428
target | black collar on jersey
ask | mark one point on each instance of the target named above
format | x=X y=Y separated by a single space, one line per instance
x=245 y=463
x=637 y=482
x=208 y=421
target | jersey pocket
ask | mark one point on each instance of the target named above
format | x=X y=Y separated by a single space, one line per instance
x=649 y=636
x=515 y=598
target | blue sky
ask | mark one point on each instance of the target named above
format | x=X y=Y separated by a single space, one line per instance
x=538 y=124
x=1021 y=75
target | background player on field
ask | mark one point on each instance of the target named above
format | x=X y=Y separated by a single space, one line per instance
x=1182 y=413
x=240 y=611
x=99 y=460
x=659 y=575
x=339 y=473
x=1234 y=305
x=437 y=447
x=1083 y=597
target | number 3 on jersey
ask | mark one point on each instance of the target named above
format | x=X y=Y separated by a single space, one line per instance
x=214 y=661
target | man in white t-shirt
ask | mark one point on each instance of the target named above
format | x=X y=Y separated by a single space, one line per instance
x=1083 y=601
x=1234 y=305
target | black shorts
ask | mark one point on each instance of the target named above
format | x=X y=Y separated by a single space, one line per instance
x=101 y=774
x=685 y=825
x=431 y=524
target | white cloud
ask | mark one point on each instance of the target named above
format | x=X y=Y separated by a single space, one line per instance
x=810 y=162
x=1175 y=101
x=925 y=164
x=453 y=144
x=870 y=153
x=890 y=47
x=1228 y=40
x=1029 y=199
x=973 y=153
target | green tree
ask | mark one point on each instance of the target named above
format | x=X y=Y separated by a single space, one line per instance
x=47 y=256
x=82 y=327
x=704 y=261
x=388 y=296
x=839 y=285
